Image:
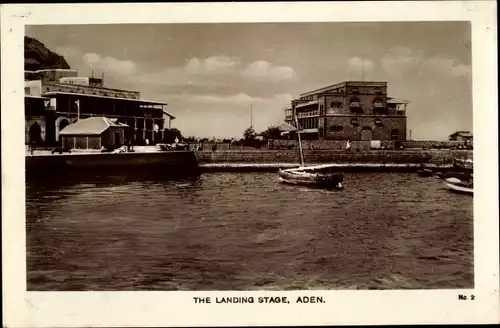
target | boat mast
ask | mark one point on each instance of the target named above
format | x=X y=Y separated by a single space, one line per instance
x=300 y=141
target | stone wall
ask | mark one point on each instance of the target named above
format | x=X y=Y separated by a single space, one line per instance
x=141 y=161
x=341 y=144
x=437 y=157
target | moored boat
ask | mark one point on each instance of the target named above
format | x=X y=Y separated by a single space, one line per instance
x=460 y=186
x=463 y=164
x=317 y=175
x=425 y=172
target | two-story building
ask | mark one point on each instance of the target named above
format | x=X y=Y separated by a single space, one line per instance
x=352 y=110
x=56 y=98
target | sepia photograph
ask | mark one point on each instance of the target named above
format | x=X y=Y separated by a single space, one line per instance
x=260 y=156
x=285 y=158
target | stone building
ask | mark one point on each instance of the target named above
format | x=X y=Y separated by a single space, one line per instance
x=351 y=110
x=461 y=136
x=55 y=98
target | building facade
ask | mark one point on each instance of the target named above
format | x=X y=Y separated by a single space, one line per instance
x=353 y=110
x=93 y=133
x=56 y=98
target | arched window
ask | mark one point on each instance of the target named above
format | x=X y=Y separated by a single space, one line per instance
x=354 y=122
x=355 y=104
x=366 y=133
x=35 y=133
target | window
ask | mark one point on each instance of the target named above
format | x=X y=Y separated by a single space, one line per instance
x=378 y=122
x=378 y=91
x=378 y=103
x=355 y=105
x=335 y=104
x=354 y=122
x=355 y=90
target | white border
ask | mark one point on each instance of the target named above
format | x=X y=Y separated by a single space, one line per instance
x=55 y=309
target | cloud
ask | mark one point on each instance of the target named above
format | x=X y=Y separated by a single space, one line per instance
x=238 y=99
x=211 y=65
x=67 y=52
x=447 y=66
x=262 y=69
x=400 y=61
x=358 y=64
x=109 y=64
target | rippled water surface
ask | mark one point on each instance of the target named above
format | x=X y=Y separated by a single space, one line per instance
x=229 y=231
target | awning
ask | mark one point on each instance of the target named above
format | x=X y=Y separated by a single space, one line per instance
x=285 y=127
x=312 y=102
x=397 y=101
x=309 y=131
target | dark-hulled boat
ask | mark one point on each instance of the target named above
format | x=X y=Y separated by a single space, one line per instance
x=425 y=172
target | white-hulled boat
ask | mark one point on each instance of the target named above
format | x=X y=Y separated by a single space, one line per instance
x=315 y=175
x=460 y=186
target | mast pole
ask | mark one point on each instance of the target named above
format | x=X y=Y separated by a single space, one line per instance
x=300 y=141
x=362 y=69
x=251 y=116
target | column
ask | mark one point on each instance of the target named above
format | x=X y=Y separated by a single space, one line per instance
x=144 y=129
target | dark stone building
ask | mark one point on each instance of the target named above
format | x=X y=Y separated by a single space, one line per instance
x=353 y=110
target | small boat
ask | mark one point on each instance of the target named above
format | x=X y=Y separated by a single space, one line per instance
x=317 y=175
x=454 y=174
x=463 y=164
x=460 y=186
x=425 y=172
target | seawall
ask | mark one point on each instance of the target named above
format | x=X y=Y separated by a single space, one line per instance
x=429 y=157
x=242 y=161
x=179 y=161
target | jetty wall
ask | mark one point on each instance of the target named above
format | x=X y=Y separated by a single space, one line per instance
x=168 y=161
x=434 y=157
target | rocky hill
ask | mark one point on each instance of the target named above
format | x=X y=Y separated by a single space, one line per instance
x=37 y=56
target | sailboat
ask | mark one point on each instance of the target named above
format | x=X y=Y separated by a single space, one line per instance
x=315 y=175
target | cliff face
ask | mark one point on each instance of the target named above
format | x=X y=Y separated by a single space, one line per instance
x=37 y=56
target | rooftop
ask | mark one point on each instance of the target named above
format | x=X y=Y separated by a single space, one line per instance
x=90 y=126
x=342 y=84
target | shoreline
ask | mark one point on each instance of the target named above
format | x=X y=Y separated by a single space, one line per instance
x=244 y=161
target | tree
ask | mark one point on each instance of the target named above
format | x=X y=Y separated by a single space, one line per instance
x=249 y=134
x=170 y=134
x=272 y=132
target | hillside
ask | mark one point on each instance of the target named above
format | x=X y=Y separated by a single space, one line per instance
x=37 y=56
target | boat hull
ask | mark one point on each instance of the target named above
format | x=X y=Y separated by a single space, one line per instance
x=458 y=186
x=459 y=189
x=298 y=177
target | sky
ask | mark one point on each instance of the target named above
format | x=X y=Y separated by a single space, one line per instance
x=211 y=74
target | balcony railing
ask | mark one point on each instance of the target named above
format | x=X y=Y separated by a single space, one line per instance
x=308 y=114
